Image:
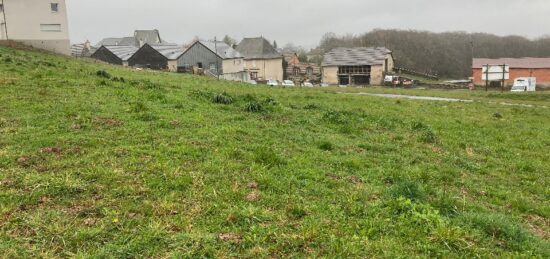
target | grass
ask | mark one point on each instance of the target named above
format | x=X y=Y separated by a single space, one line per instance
x=123 y=163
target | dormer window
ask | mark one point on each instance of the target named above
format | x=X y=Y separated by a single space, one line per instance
x=54 y=7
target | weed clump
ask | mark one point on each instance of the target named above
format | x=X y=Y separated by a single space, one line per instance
x=497 y=115
x=427 y=135
x=312 y=106
x=103 y=74
x=337 y=117
x=408 y=190
x=8 y=60
x=268 y=157
x=222 y=99
x=498 y=226
x=253 y=107
x=326 y=146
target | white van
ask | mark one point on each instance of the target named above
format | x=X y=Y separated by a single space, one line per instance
x=525 y=84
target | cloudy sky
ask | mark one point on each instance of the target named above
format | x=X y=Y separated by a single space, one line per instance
x=302 y=22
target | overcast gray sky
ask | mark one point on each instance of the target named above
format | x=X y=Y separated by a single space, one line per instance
x=302 y=22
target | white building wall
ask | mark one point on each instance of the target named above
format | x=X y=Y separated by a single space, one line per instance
x=33 y=22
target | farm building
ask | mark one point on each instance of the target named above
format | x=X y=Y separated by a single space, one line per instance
x=162 y=56
x=261 y=60
x=117 y=55
x=215 y=59
x=357 y=66
x=519 y=67
x=300 y=72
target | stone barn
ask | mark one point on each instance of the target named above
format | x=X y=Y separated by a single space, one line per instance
x=357 y=66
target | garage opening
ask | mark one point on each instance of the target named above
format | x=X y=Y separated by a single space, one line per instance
x=354 y=75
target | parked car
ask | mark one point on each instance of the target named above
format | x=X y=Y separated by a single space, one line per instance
x=272 y=82
x=287 y=83
x=308 y=84
x=252 y=82
x=525 y=84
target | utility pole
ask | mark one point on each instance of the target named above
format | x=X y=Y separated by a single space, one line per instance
x=487 y=78
x=5 y=21
x=216 y=50
x=503 y=78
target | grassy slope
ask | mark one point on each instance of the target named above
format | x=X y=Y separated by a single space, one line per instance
x=151 y=167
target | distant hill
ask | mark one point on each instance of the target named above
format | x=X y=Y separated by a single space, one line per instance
x=447 y=54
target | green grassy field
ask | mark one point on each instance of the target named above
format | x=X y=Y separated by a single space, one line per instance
x=149 y=164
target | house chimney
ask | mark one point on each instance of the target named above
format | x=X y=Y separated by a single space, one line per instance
x=87 y=45
x=141 y=43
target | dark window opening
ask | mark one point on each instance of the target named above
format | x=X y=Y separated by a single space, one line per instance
x=253 y=75
x=297 y=71
x=343 y=80
x=199 y=65
x=55 y=7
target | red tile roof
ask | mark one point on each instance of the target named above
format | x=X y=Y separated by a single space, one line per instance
x=513 y=62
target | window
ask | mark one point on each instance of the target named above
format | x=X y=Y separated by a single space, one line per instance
x=253 y=75
x=309 y=71
x=54 y=7
x=50 y=27
x=297 y=71
x=212 y=66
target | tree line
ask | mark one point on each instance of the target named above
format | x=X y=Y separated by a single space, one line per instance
x=447 y=54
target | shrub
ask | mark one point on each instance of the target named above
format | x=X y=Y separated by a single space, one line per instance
x=253 y=107
x=222 y=99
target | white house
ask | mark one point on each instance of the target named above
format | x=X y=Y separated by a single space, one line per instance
x=39 y=23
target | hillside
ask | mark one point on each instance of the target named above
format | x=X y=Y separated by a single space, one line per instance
x=447 y=54
x=101 y=161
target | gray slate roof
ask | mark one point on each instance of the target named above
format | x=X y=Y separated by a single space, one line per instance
x=221 y=48
x=257 y=48
x=356 y=56
x=122 y=52
x=148 y=36
x=109 y=42
x=170 y=51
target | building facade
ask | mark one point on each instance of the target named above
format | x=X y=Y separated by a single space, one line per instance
x=357 y=66
x=215 y=59
x=299 y=72
x=261 y=60
x=116 y=55
x=158 y=57
x=519 y=67
x=37 y=23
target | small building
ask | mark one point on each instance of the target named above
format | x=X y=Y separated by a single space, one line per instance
x=215 y=59
x=357 y=66
x=37 y=23
x=261 y=59
x=519 y=67
x=117 y=55
x=82 y=50
x=159 y=57
x=299 y=72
